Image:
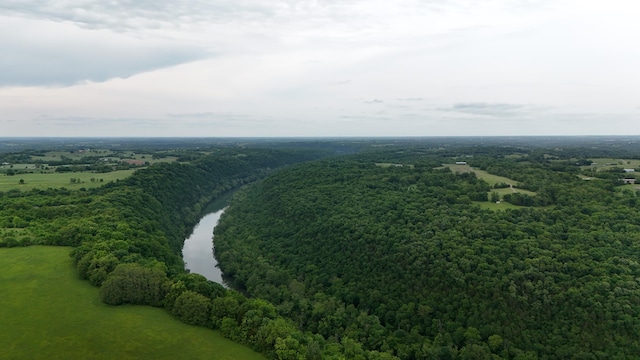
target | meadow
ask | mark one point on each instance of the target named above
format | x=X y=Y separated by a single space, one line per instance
x=492 y=180
x=608 y=163
x=481 y=174
x=58 y=180
x=47 y=312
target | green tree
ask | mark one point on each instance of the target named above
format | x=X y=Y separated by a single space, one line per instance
x=135 y=284
x=192 y=308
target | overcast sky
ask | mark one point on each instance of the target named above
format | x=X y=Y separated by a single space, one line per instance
x=319 y=68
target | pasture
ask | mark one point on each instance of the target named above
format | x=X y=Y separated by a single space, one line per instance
x=481 y=174
x=490 y=179
x=608 y=163
x=47 y=312
x=58 y=180
x=502 y=192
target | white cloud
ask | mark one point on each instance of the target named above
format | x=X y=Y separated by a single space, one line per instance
x=363 y=67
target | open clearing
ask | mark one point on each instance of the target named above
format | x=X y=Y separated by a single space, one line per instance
x=505 y=191
x=48 y=313
x=481 y=174
x=58 y=180
x=608 y=163
x=490 y=179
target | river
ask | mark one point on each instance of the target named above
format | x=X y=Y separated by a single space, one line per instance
x=197 y=251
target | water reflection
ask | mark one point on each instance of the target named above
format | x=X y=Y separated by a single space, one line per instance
x=197 y=252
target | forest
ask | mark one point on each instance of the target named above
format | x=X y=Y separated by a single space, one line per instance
x=404 y=259
x=348 y=249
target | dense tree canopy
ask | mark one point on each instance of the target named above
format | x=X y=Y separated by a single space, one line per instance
x=402 y=258
x=381 y=255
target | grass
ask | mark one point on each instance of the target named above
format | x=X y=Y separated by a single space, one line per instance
x=633 y=187
x=58 y=180
x=490 y=179
x=103 y=153
x=48 y=313
x=505 y=191
x=602 y=163
x=481 y=174
x=458 y=168
x=493 y=179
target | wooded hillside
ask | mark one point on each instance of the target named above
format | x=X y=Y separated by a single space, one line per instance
x=402 y=258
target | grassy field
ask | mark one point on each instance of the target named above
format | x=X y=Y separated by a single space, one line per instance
x=607 y=163
x=493 y=179
x=104 y=153
x=58 y=180
x=46 y=312
x=489 y=178
x=481 y=174
x=505 y=191
x=633 y=187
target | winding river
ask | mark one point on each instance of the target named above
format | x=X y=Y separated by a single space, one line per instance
x=197 y=251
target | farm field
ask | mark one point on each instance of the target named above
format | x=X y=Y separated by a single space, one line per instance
x=607 y=163
x=47 y=312
x=58 y=180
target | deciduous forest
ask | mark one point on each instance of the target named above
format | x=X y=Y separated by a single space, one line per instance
x=387 y=249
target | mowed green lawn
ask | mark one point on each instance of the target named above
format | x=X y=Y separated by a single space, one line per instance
x=58 y=180
x=46 y=312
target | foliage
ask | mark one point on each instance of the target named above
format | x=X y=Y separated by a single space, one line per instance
x=192 y=308
x=135 y=284
x=47 y=312
x=363 y=261
x=398 y=258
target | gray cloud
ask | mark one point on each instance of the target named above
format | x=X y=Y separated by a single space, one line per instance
x=123 y=124
x=36 y=53
x=83 y=123
x=491 y=109
x=126 y=15
x=213 y=117
x=374 y=101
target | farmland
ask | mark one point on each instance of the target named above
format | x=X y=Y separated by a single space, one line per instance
x=53 y=314
x=73 y=169
x=59 y=180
